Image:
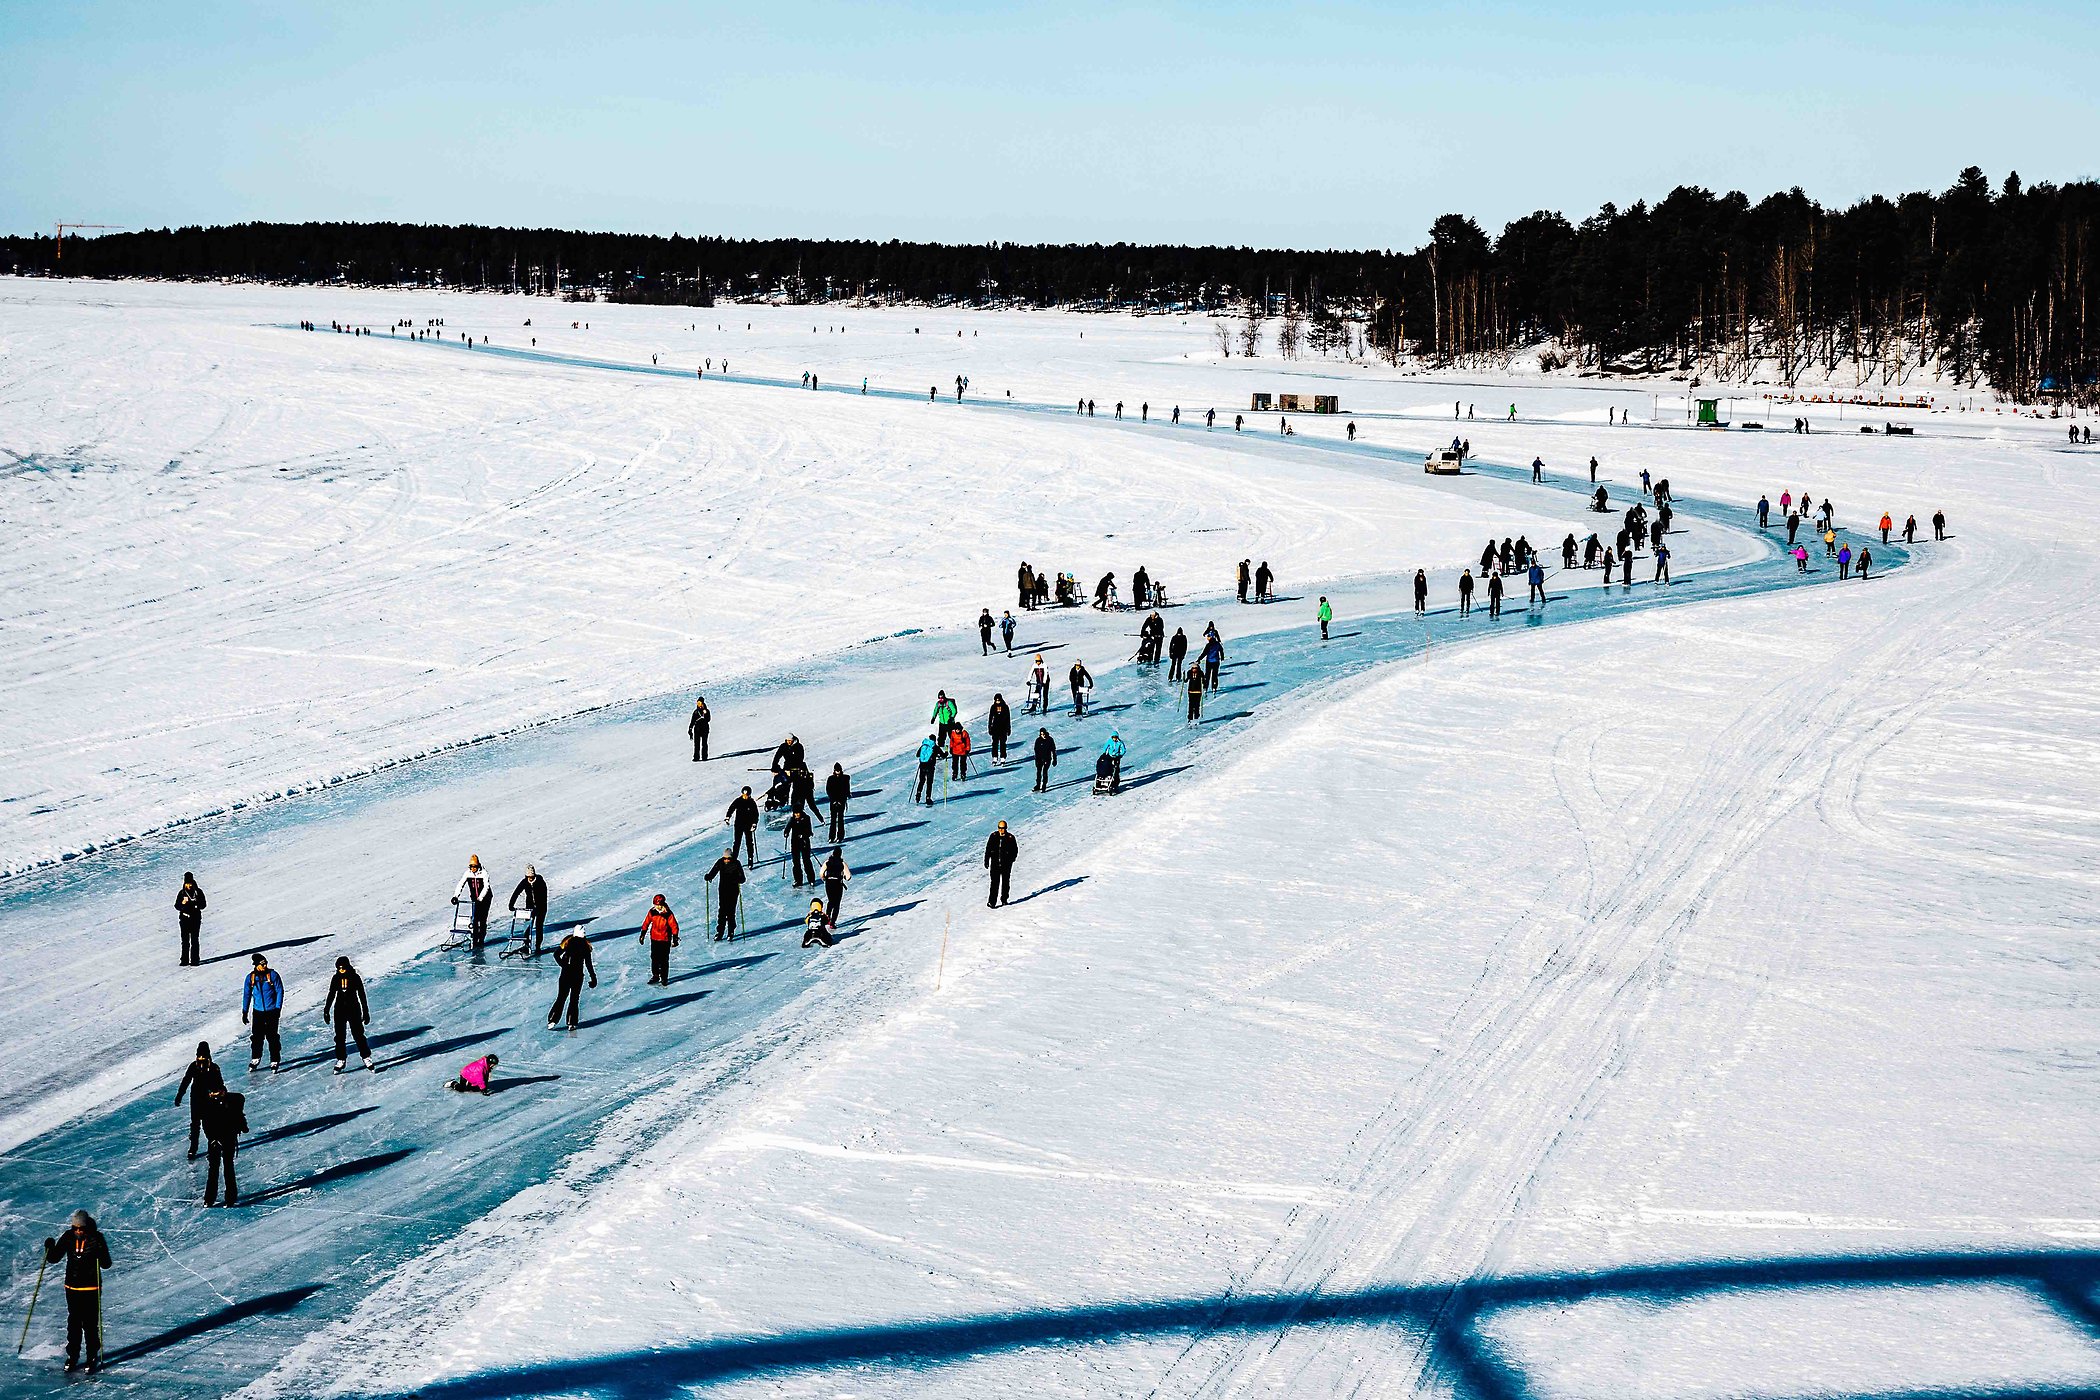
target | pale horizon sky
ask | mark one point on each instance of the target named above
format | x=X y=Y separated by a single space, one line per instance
x=1334 y=125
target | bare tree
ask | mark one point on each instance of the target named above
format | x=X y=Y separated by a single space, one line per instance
x=1223 y=328
x=1290 y=332
x=1250 y=332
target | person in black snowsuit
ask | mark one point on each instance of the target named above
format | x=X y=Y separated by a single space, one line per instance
x=731 y=875
x=1177 y=652
x=697 y=728
x=837 y=788
x=533 y=890
x=836 y=874
x=1465 y=593
x=1246 y=576
x=802 y=790
x=1195 y=688
x=788 y=757
x=1000 y=848
x=86 y=1255
x=1263 y=578
x=1494 y=595
x=1939 y=525
x=984 y=631
x=573 y=956
x=1626 y=568
x=743 y=824
x=1793 y=525
x=1082 y=681
x=1421 y=591
x=189 y=919
x=225 y=1119
x=1487 y=559
x=999 y=724
x=198 y=1080
x=346 y=1004
x=1140 y=587
x=800 y=832
x=1045 y=759
x=1567 y=552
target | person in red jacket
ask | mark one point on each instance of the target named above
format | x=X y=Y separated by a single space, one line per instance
x=958 y=753
x=660 y=932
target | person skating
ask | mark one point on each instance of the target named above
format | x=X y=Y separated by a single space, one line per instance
x=1830 y=543
x=1045 y=759
x=473 y=1077
x=1024 y=582
x=1845 y=562
x=1535 y=576
x=660 y=931
x=836 y=875
x=573 y=956
x=1039 y=687
x=1626 y=569
x=189 y=920
x=262 y=1001
x=1662 y=562
x=1195 y=690
x=1538 y=470
x=984 y=632
x=742 y=817
x=1764 y=512
x=1939 y=525
x=788 y=755
x=929 y=756
x=999 y=724
x=943 y=716
x=1910 y=529
x=1567 y=552
x=1593 y=471
x=958 y=753
x=1177 y=653
x=1006 y=631
x=199 y=1079
x=1082 y=681
x=1859 y=568
x=533 y=890
x=1245 y=577
x=801 y=832
x=85 y=1254
x=729 y=875
x=1000 y=848
x=225 y=1119
x=1325 y=615
x=697 y=728
x=837 y=789
x=1141 y=587
x=347 y=1007
x=1465 y=593
x=1263 y=578
x=1886 y=525
x=478 y=892
x=802 y=791
x=1213 y=658
x=1421 y=590
x=1113 y=751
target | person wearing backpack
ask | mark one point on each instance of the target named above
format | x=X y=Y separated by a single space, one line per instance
x=262 y=1001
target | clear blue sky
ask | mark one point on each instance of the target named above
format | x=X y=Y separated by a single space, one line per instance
x=1278 y=124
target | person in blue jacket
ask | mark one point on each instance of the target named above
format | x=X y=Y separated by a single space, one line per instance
x=1213 y=657
x=1113 y=751
x=1536 y=577
x=1764 y=512
x=929 y=756
x=262 y=999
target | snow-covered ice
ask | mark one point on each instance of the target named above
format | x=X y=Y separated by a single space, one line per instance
x=1689 y=1000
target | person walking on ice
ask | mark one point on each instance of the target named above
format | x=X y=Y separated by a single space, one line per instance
x=1045 y=755
x=1326 y=616
x=1082 y=681
x=225 y=1119
x=85 y=1254
x=478 y=892
x=929 y=758
x=660 y=932
x=1465 y=593
x=198 y=1080
x=345 y=1004
x=533 y=890
x=262 y=1001
x=1195 y=689
x=573 y=956
x=742 y=818
x=189 y=920
x=1000 y=849
x=1421 y=590
x=838 y=789
x=1662 y=562
x=836 y=875
x=1535 y=575
x=729 y=898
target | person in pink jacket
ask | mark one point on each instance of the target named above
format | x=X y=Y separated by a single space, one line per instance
x=474 y=1075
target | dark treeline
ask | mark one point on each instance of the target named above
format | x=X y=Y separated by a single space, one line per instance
x=1982 y=286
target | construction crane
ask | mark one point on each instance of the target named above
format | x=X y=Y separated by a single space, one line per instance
x=61 y=235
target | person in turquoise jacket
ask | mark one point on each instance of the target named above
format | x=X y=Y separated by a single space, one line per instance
x=929 y=755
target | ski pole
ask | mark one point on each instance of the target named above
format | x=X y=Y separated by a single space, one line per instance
x=33 y=1296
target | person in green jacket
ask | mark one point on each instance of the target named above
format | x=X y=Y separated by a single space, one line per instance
x=943 y=717
x=1326 y=616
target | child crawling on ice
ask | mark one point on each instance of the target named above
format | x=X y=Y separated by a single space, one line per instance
x=474 y=1076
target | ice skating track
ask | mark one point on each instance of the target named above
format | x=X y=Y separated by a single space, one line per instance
x=346 y=1178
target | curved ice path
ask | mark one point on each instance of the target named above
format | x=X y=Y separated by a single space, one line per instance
x=345 y=1179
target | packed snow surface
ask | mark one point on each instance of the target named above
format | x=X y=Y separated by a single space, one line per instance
x=1617 y=998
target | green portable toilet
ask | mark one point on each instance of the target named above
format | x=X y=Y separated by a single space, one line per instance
x=1709 y=413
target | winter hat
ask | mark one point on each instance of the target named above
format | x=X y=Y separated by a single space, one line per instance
x=203 y=1049
x=83 y=1220
x=257 y=958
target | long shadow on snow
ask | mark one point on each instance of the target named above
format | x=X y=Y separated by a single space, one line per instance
x=283 y=1300
x=328 y=1176
x=1449 y=1314
x=305 y=1128
x=265 y=948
